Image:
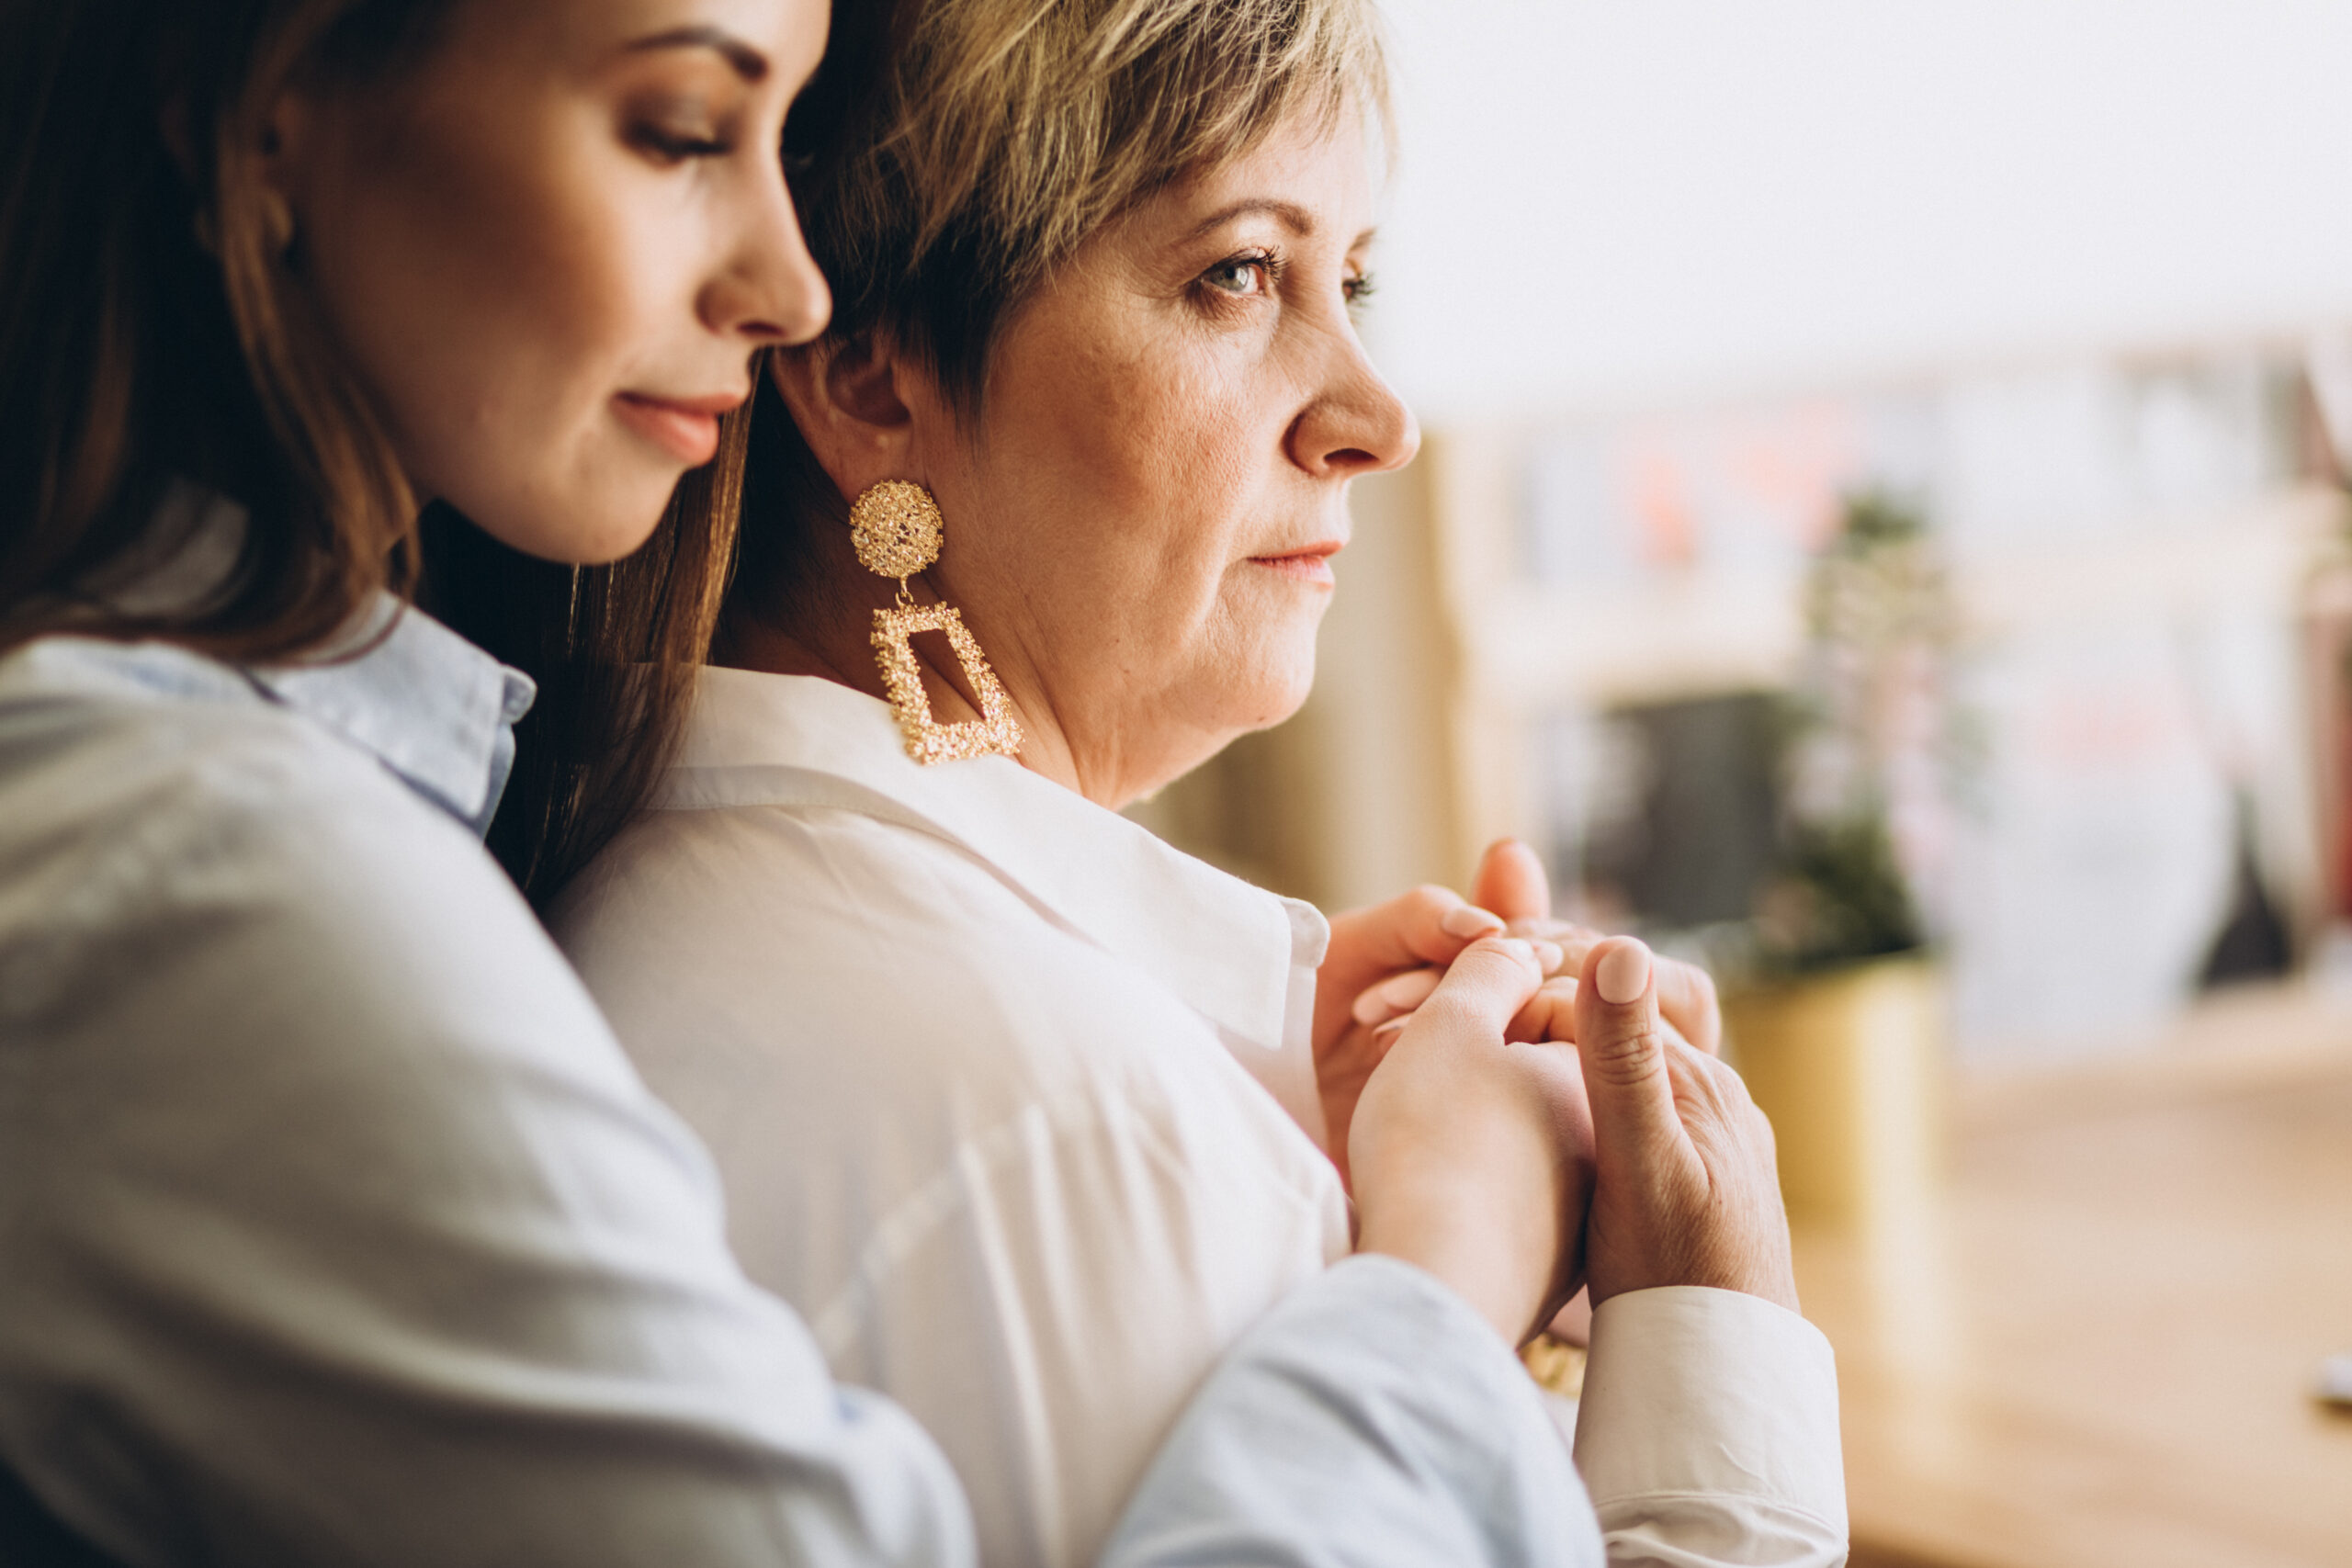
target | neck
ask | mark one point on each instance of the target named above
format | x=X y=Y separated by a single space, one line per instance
x=839 y=648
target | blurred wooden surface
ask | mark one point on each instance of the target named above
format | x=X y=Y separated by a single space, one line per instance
x=2096 y=1349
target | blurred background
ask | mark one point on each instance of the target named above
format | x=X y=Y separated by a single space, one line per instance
x=1881 y=531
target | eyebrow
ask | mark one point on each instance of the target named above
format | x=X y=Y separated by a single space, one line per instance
x=1291 y=216
x=749 y=62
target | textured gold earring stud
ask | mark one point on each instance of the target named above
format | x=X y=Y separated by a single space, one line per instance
x=896 y=530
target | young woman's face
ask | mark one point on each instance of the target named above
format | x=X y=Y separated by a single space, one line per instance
x=550 y=251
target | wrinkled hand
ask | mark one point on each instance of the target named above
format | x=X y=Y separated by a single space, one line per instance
x=1510 y=883
x=1473 y=1156
x=1686 y=1191
x=1404 y=944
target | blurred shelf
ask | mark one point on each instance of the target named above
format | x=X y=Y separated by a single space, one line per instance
x=2096 y=1350
x=1678 y=634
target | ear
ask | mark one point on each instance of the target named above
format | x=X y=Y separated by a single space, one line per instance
x=855 y=402
x=282 y=154
x=279 y=144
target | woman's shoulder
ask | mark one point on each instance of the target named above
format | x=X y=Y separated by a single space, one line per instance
x=156 y=812
x=146 y=754
x=830 y=910
x=860 y=968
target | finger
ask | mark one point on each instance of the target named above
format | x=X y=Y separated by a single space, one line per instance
x=1397 y=994
x=1686 y=995
x=1512 y=882
x=1479 y=995
x=1556 y=930
x=1549 y=1014
x=1426 y=925
x=1623 y=1051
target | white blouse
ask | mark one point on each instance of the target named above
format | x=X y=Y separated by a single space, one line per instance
x=975 y=1059
x=970 y=1052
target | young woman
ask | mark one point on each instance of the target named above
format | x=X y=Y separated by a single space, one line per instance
x=334 y=1227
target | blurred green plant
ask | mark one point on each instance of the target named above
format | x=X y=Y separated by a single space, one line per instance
x=1879 y=624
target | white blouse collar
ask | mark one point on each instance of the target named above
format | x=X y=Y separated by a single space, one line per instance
x=1240 y=956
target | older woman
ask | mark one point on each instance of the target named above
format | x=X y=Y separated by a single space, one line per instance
x=1047 y=520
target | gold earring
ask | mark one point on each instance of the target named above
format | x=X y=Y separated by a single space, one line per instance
x=895 y=528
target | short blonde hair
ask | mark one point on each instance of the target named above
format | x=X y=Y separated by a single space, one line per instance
x=953 y=151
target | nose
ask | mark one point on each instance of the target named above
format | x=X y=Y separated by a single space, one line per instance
x=770 y=291
x=1356 y=424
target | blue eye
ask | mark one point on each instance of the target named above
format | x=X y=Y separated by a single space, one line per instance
x=1239 y=275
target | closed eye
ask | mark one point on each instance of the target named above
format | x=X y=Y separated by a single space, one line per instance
x=673 y=147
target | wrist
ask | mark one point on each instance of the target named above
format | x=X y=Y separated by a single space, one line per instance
x=1460 y=1250
x=1768 y=1279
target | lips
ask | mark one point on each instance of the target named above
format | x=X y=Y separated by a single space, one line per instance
x=686 y=428
x=1311 y=563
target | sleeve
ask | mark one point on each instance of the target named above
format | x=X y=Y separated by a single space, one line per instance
x=1708 y=1433
x=1371 y=1420
x=338 y=1232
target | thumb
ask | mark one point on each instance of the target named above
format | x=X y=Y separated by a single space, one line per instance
x=1510 y=883
x=1482 y=991
x=1623 y=1051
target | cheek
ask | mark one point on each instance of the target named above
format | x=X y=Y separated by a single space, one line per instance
x=1163 y=466
x=1127 y=480
x=483 y=302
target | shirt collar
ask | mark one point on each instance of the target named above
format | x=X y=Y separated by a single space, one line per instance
x=436 y=710
x=430 y=705
x=1241 y=957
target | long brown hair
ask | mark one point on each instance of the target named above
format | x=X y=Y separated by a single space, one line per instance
x=614 y=648
x=148 y=332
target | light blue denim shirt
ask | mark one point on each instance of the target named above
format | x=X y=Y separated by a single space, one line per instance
x=336 y=1230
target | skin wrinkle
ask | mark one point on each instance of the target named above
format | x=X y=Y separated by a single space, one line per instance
x=1141 y=439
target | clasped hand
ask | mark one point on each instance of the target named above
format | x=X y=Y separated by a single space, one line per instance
x=1543 y=1110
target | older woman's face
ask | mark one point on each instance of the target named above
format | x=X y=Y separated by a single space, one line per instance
x=1141 y=521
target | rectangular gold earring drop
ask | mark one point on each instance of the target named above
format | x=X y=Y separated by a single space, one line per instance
x=995 y=732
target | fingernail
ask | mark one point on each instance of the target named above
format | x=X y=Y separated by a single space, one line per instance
x=1549 y=955
x=1469 y=921
x=1623 y=974
x=1371 y=1007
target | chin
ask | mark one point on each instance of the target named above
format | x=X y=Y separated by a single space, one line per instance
x=583 y=530
x=1281 y=689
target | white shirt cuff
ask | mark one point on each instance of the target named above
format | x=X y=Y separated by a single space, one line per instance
x=1707 y=1411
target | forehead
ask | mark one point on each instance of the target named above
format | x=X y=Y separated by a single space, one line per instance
x=783 y=38
x=1314 y=171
